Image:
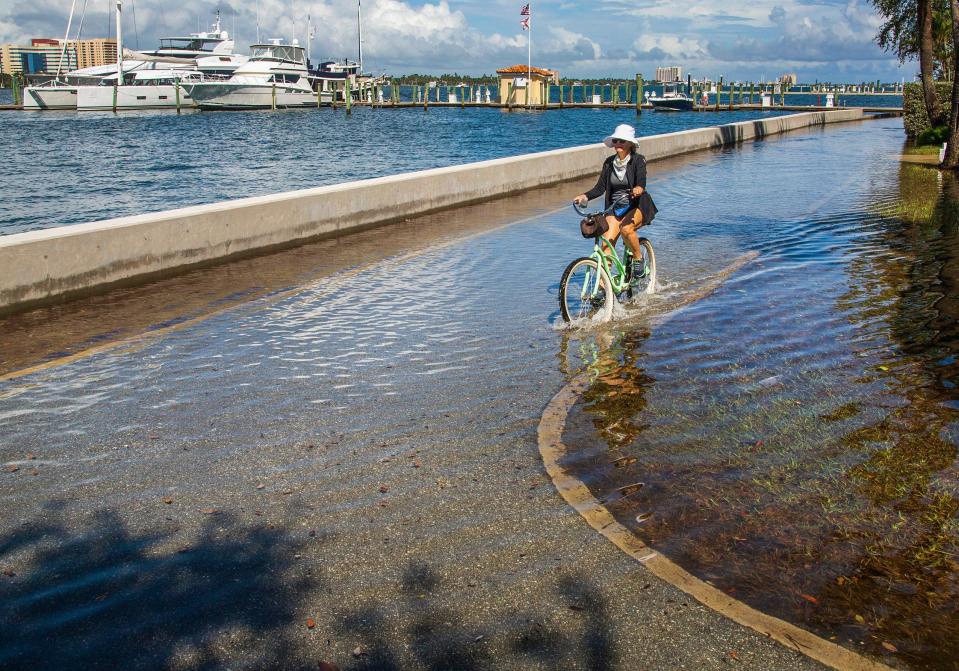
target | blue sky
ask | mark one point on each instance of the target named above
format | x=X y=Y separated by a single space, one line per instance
x=817 y=39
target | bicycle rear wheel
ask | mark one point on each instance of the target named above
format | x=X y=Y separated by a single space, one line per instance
x=646 y=283
x=585 y=292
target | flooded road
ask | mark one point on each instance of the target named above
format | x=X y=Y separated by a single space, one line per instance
x=796 y=433
x=345 y=433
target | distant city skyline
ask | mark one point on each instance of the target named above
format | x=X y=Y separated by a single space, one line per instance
x=825 y=40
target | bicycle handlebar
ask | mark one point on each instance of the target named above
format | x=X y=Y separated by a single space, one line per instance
x=582 y=211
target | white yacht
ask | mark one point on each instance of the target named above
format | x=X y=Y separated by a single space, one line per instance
x=275 y=76
x=151 y=76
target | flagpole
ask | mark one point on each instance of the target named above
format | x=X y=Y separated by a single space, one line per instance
x=529 y=58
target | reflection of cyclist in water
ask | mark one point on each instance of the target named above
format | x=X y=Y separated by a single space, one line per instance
x=618 y=383
x=623 y=181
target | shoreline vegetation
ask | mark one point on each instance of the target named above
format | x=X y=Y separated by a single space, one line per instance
x=453 y=79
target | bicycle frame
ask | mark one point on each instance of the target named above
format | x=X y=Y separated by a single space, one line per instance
x=609 y=260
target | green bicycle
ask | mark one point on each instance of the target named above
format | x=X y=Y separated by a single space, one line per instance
x=591 y=284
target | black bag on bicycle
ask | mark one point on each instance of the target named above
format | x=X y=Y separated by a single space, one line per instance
x=593 y=226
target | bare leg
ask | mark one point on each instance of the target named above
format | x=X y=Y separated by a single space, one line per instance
x=613 y=233
x=629 y=233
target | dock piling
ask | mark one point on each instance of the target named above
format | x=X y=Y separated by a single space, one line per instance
x=347 y=94
x=719 y=93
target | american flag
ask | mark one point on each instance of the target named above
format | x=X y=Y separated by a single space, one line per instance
x=524 y=11
x=525 y=23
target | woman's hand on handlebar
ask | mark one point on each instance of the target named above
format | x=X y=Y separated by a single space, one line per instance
x=581 y=199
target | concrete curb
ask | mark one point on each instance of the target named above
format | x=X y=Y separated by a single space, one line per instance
x=67 y=261
x=578 y=495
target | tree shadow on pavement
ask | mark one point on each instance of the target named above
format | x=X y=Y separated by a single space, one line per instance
x=103 y=597
x=569 y=628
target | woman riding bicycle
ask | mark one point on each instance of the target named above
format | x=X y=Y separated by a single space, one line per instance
x=623 y=181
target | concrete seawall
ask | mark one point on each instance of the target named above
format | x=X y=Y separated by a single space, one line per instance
x=57 y=263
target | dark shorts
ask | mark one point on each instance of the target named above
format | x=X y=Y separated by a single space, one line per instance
x=643 y=204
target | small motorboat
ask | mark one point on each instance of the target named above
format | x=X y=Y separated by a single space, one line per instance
x=673 y=99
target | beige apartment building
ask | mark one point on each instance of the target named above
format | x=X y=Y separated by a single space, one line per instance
x=670 y=74
x=91 y=53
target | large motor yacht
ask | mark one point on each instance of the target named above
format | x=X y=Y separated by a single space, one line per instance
x=276 y=76
x=149 y=80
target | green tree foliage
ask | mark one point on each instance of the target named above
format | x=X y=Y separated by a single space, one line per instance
x=900 y=33
x=909 y=31
x=915 y=119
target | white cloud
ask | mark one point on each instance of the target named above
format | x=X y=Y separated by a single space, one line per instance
x=612 y=37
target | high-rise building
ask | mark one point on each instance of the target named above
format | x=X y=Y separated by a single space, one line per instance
x=673 y=73
x=91 y=53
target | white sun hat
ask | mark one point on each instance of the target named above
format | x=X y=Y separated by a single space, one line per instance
x=623 y=132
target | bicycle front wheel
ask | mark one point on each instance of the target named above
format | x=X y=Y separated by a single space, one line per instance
x=585 y=292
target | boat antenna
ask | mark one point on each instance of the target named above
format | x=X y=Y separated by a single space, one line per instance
x=309 y=35
x=136 y=33
x=66 y=38
x=257 y=21
x=359 y=34
x=293 y=21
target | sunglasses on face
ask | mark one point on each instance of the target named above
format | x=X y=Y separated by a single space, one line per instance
x=618 y=141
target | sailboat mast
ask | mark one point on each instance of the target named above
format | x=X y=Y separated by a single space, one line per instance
x=119 y=44
x=359 y=34
x=66 y=37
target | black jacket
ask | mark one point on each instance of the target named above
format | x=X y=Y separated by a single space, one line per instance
x=635 y=176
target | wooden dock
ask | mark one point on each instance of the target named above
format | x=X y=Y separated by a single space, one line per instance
x=892 y=111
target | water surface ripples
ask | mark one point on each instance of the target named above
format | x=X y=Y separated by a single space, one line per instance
x=68 y=168
x=795 y=429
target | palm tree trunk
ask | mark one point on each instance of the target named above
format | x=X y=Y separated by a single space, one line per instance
x=951 y=160
x=934 y=109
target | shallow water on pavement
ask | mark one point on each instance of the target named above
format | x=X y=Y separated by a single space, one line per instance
x=795 y=434
x=805 y=400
